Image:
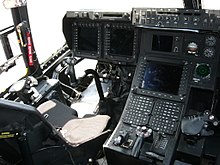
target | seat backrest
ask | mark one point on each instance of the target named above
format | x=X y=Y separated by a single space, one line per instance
x=57 y=113
x=15 y=114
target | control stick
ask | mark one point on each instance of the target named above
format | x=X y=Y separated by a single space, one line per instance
x=71 y=72
x=142 y=133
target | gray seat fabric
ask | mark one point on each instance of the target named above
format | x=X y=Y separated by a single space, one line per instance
x=57 y=113
x=79 y=131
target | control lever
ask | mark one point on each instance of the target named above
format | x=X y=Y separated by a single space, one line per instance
x=198 y=125
x=24 y=89
x=104 y=106
x=71 y=72
x=154 y=156
x=142 y=133
x=97 y=82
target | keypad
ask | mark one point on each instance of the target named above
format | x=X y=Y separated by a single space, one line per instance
x=138 y=110
x=165 y=116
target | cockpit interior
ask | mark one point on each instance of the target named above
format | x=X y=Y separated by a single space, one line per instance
x=151 y=97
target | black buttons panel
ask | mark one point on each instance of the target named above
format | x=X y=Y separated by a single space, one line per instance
x=176 y=18
x=138 y=110
x=165 y=116
x=160 y=115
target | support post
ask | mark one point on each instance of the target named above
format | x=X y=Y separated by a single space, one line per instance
x=192 y=4
x=23 y=31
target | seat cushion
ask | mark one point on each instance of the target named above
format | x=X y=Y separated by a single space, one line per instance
x=73 y=129
x=78 y=131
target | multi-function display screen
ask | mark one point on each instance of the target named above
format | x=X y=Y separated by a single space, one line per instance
x=88 y=39
x=162 y=43
x=121 y=42
x=160 y=77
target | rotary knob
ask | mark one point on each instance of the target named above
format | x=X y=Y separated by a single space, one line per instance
x=192 y=48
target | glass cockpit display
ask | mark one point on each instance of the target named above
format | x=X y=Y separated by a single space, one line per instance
x=87 y=39
x=121 y=42
x=160 y=77
x=162 y=43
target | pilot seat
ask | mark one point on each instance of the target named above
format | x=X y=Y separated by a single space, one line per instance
x=52 y=133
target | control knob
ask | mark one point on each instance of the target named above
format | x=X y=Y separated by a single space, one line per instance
x=96 y=15
x=159 y=17
x=192 y=48
x=126 y=15
x=85 y=14
x=159 y=23
x=123 y=137
x=195 y=19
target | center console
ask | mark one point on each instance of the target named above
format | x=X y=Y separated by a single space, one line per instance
x=175 y=76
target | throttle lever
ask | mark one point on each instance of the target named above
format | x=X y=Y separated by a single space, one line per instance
x=142 y=133
x=198 y=124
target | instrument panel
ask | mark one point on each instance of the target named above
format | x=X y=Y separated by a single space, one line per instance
x=176 y=55
x=115 y=36
x=103 y=36
x=185 y=45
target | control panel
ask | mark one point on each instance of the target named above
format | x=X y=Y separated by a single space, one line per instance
x=176 y=55
x=181 y=45
x=177 y=18
x=159 y=115
x=177 y=61
x=105 y=36
x=99 y=15
x=189 y=57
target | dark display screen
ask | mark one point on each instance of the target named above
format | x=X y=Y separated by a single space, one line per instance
x=160 y=77
x=121 y=42
x=88 y=39
x=162 y=43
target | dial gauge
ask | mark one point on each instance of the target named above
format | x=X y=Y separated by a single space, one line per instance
x=209 y=52
x=203 y=70
x=210 y=40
